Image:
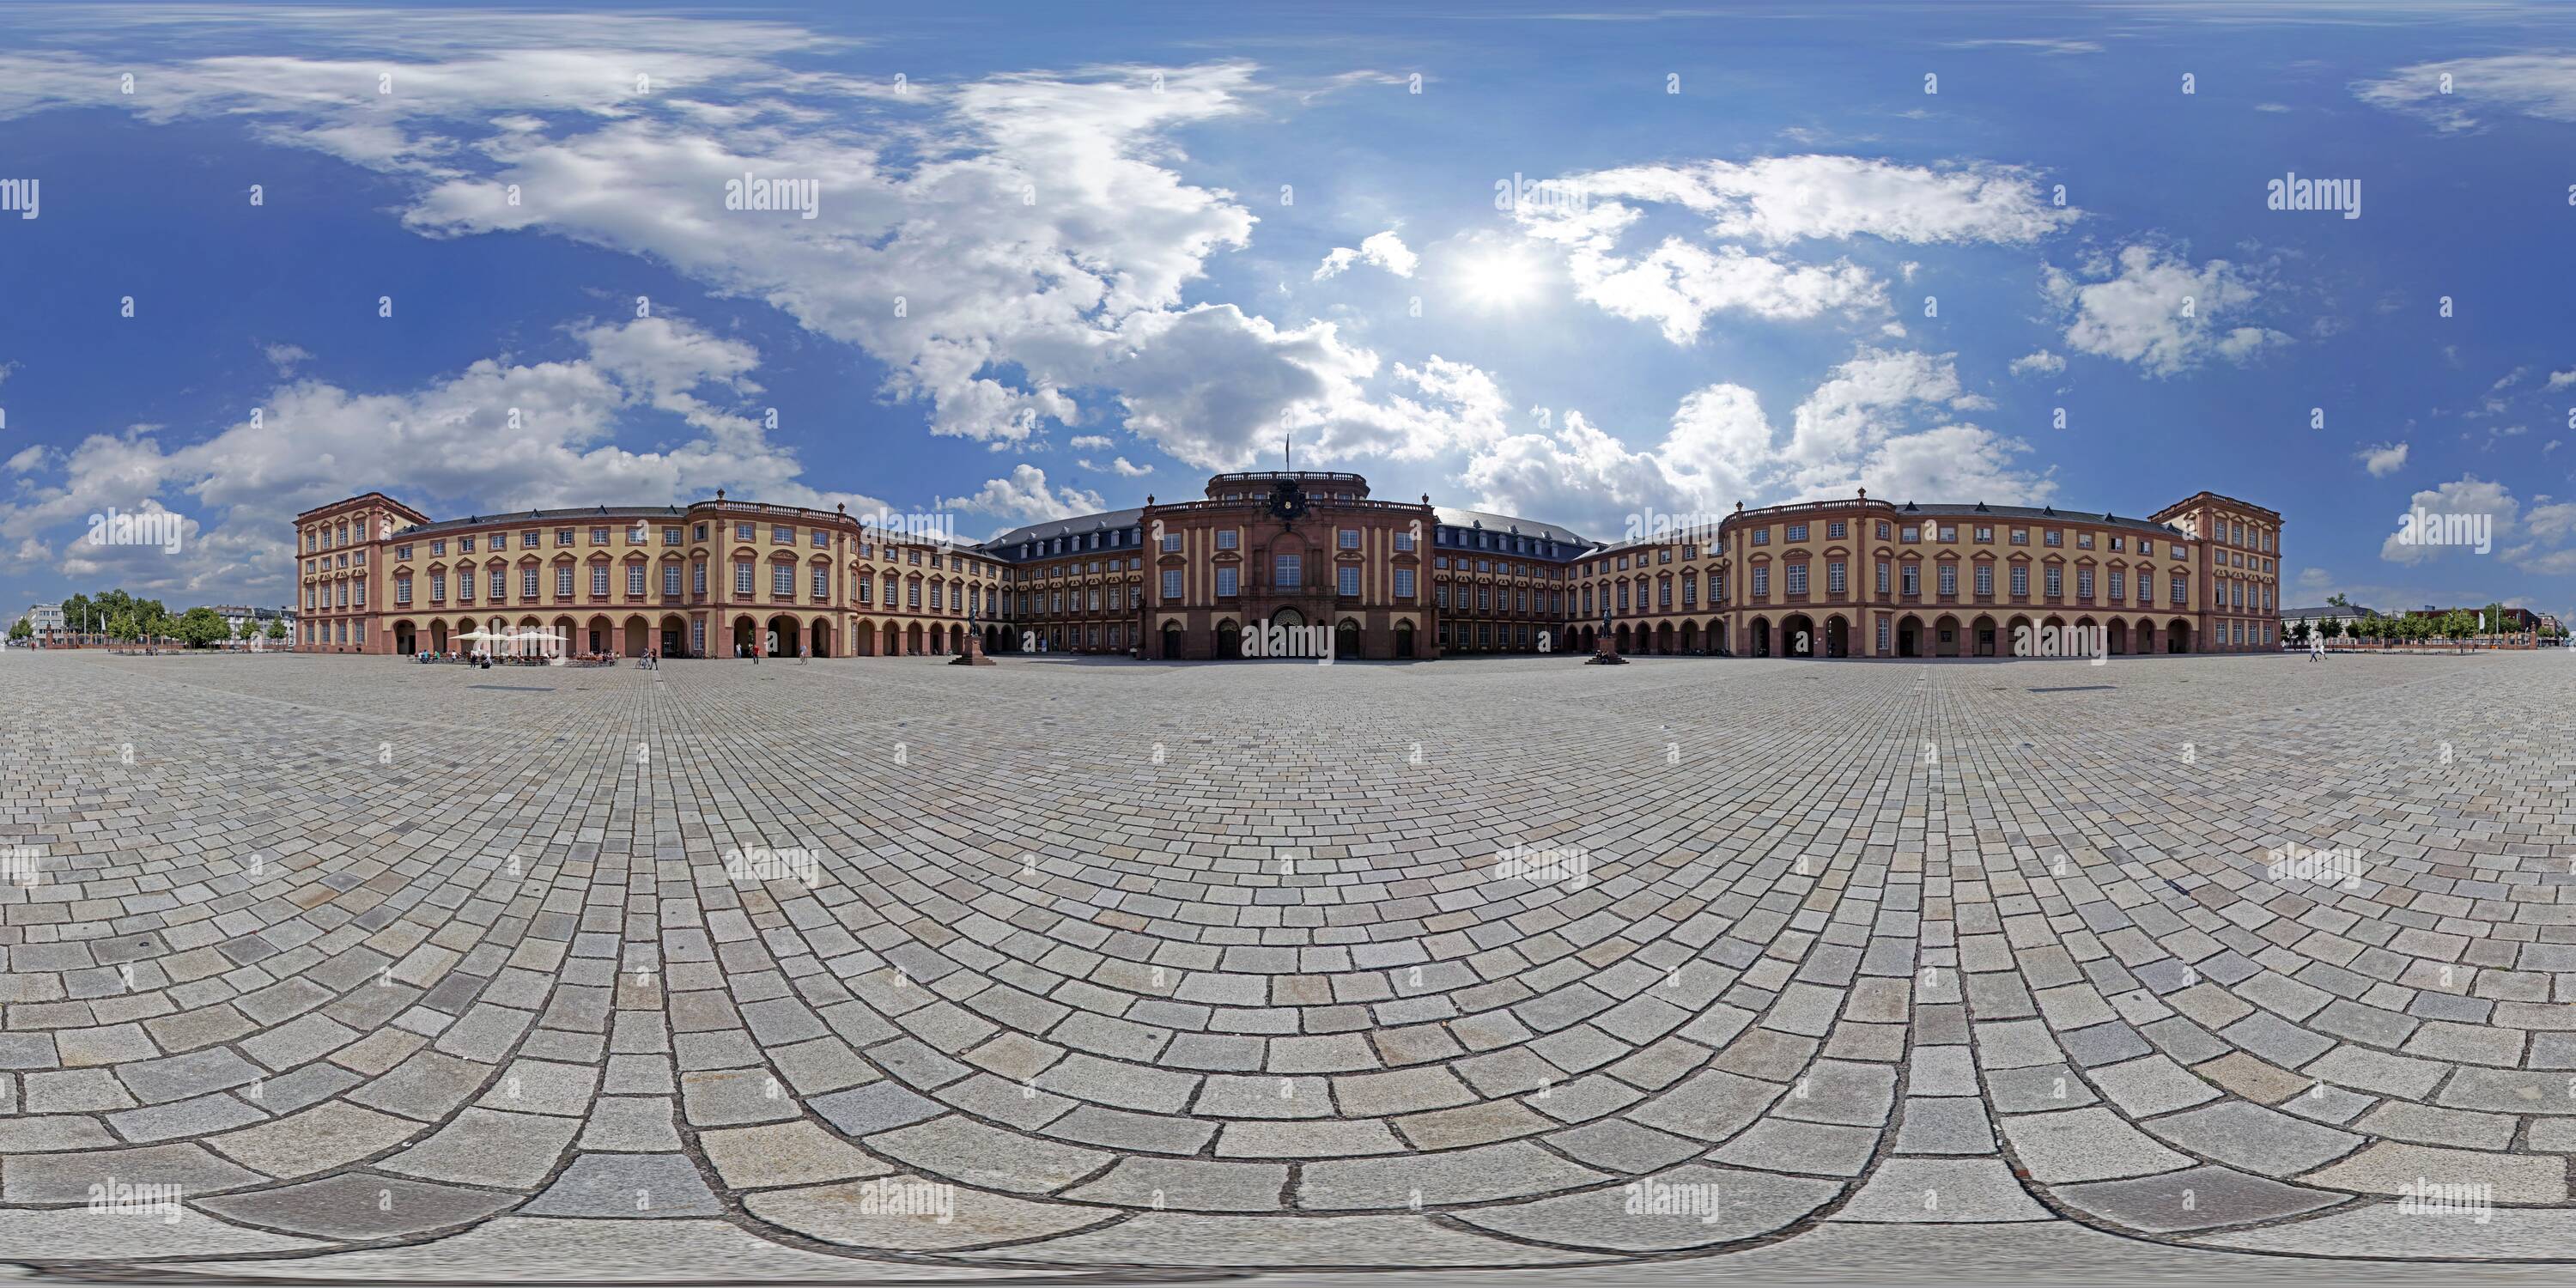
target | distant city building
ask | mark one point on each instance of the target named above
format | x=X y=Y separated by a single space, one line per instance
x=2316 y=618
x=45 y=620
x=235 y=614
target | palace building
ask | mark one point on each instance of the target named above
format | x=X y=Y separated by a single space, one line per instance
x=1302 y=555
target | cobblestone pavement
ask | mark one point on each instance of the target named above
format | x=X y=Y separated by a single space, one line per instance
x=1065 y=968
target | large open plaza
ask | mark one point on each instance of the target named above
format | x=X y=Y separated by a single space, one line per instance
x=882 y=969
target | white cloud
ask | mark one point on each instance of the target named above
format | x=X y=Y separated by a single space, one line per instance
x=2542 y=86
x=2158 y=311
x=1085 y=442
x=2043 y=362
x=1784 y=199
x=444 y=445
x=2535 y=541
x=1024 y=497
x=1386 y=250
x=1120 y=466
x=2383 y=460
x=2561 y=379
x=1862 y=426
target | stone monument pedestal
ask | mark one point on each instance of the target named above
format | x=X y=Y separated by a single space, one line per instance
x=1605 y=653
x=974 y=654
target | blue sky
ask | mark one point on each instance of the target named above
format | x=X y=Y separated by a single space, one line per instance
x=1063 y=257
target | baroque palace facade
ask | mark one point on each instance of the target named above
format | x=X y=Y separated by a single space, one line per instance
x=1310 y=551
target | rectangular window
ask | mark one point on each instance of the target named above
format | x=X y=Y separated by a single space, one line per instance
x=527 y=541
x=2055 y=583
x=1404 y=583
x=1761 y=537
x=1913 y=580
x=528 y=584
x=2083 y=583
x=1985 y=581
x=822 y=583
x=1287 y=572
x=464 y=585
x=782 y=534
x=563 y=537
x=1836 y=529
x=2119 y=585
x=634 y=580
x=437 y=587
x=698 y=579
x=1225 y=539
x=1404 y=541
x=1172 y=585
x=1949 y=532
x=822 y=539
x=671 y=579
x=2084 y=541
x=1882 y=636
x=1797 y=532
x=1834 y=580
x=744 y=531
x=1350 y=538
x=2021 y=581
x=1347 y=581
x=742 y=577
x=1761 y=582
x=698 y=638
x=1797 y=582
x=402 y=552
x=1949 y=580
x=670 y=536
x=1912 y=534
x=2054 y=537
x=599 y=580
x=402 y=590
x=1226 y=582
x=2021 y=536
x=1985 y=535
x=599 y=536
x=1690 y=591
x=912 y=595
x=1882 y=576
x=1171 y=543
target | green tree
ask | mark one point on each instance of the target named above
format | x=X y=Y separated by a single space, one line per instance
x=277 y=630
x=2298 y=634
x=21 y=630
x=201 y=627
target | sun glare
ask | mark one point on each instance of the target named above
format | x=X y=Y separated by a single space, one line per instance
x=1500 y=279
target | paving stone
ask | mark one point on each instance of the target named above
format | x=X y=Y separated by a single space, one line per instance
x=358 y=1206
x=2084 y=1145
x=67 y=1178
x=1687 y=1207
x=795 y=1153
x=988 y=1157
x=911 y=1214
x=1189 y=1239
x=2197 y=1199
x=1188 y=1185
x=628 y=1186
x=2389 y=1167
x=2255 y=1139
x=1511 y=1170
x=488 y=1147
x=1942 y=1191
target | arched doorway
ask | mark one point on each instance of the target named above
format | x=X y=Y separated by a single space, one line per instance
x=819 y=641
x=912 y=640
x=1622 y=638
x=2119 y=636
x=1717 y=636
x=2178 y=636
x=1346 y=639
x=745 y=634
x=1837 y=637
x=1690 y=637
x=1945 y=636
x=780 y=639
x=599 y=636
x=893 y=640
x=956 y=638
x=438 y=637
x=1757 y=639
x=1663 y=637
x=1404 y=639
x=2143 y=639
x=1229 y=641
x=1982 y=634
x=639 y=637
x=675 y=636
x=1172 y=640
x=2017 y=637
x=1797 y=636
x=405 y=640
x=1909 y=636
